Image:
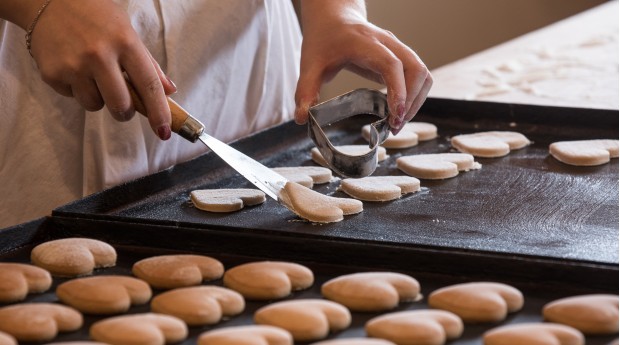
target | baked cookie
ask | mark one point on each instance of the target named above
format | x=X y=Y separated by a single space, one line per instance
x=180 y=270
x=353 y=150
x=490 y=144
x=584 y=152
x=436 y=166
x=533 y=334
x=416 y=327
x=199 y=305
x=372 y=291
x=246 y=335
x=306 y=176
x=591 y=314
x=78 y=342
x=18 y=280
x=305 y=319
x=226 y=200
x=38 y=321
x=265 y=280
x=104 y=294
x=354 y=341
x=316 y=207
x=70 y=257
x=139 y=329
x=478 y=301
x=409 y=136
x=380 y=188
x=7 y=339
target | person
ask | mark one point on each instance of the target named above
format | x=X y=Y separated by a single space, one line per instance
x=239 y=66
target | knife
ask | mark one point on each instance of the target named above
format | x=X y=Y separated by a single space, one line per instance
x=191 y=129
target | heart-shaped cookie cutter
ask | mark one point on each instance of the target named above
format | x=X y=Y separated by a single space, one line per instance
x=356 y=102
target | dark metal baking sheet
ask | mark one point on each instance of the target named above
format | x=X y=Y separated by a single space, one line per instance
x=524 y=205
x=136 y=241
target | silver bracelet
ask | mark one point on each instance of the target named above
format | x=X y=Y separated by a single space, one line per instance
x=32 y=25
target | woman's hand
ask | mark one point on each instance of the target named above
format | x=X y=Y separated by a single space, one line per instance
x=336 y=36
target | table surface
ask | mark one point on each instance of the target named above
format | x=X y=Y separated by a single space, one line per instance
x=571 y=63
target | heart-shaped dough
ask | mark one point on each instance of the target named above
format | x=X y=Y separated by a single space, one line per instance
x=246 y=335
x=354 y=341
x=490 y=144
x=380 y=188
x=226 y=200
x=478 y=301
x=584 y=152
x=172 y=271
x=416 y=327
x=591 y=314
x=71 y=257
x=353 y=150
x=533 y=334
x=436 y=166
x=199 y=305
x=7 y=339
x=139 y=329
x=409 y=135
x=305 y=319
x=306 y=176
x=38 y=321
x=315 y=206
x=265 y=280
x=18 y=280
x=372 y=291
x=104 y=294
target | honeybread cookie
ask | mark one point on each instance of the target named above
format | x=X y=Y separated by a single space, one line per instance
x=38 y=321
x=70 y=257
x=7 y=339
x=478 y=301
x=18 y=280
x=246 y=335
x=104 y=294
x=533 y=334
x=353 y=150
x=379 y=188
x=307 y=319
x=424 y=327
x=226 y=200
x=139 y=329
x=409 y=136
x=306 y=176
x=180 y=270
x=265 y=280
x=372 y=291
x=584 y=152
x=591 y=314
x=355 y=341
x=199 y=305
x=315 y=206
x=78 y=342
x=436 y=166
x=490 y=144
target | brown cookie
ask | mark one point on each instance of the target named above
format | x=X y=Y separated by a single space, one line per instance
x=355 y=341
x=416 y=327
x=172 y=271
x=246 y=335
x=591 y=314
x=139 y=329
x=38 y=321
x=70 y=257
x=18 y=280
x=533 y=333
x=7 y=339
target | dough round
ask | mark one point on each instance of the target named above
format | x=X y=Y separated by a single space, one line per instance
x=432 y=327
x=18 y=280
x=380 y=188
x=436 y=166
x=226 y=200
x=72 y=257
x=409 y=135
x=352 y=150
x=246 y=335
x=38 y=321
x=306 y=176
x=591 y=314
x=7 y=339
x=139 y=329
x=265 y=280
x=172 y=271
x=489 y=144
x=584 y=152
x=533 y=334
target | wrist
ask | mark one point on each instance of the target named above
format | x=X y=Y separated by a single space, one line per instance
x=20 y=12
x=320 y=12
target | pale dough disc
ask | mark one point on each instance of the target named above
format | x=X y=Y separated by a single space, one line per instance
x=246 y=335
x=533 y=334
x=266 y=280
x=436 y=166
x=372 y=291
x=306 y=176
x=199 y=305
x=38 y=321
x=315 y=206
x=416 y=327
x=18 y=280
x=71 y=257
x=226 y=200
x=172 y=271
x=140 y=329
x=104 y=294
x=591 y=314
x=409 y=135
x=489 y=144
x=353 y=150
x=380 y=188
x=305 y=319
x=7 y=339
x=584 y=152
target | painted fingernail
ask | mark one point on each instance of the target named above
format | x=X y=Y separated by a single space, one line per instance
x=163 y=132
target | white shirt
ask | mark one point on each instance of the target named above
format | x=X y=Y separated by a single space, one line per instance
x=235 y=64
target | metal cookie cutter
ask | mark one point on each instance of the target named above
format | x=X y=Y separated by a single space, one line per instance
x=356 y=102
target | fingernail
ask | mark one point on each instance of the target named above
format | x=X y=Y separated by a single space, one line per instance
x=171 y=82
x=401 y=110
x=395 y=122
x=163 y=132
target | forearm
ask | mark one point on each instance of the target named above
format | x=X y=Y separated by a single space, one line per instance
x=314 y=11
x=20 y=12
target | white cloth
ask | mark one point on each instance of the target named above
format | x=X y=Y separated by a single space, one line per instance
x=235 y=64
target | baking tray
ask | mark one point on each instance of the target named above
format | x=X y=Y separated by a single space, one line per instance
x=134 y=242
x=525 y=207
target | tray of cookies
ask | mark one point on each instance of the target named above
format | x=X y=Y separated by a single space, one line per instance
x=115 y=283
